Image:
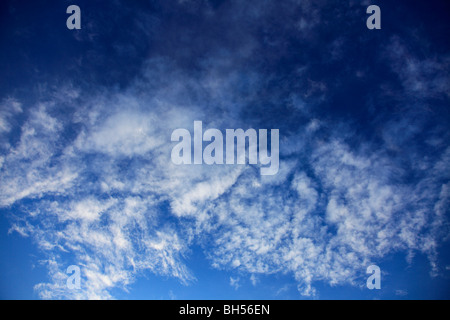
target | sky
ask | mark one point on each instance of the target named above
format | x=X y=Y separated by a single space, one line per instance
x=87 y=178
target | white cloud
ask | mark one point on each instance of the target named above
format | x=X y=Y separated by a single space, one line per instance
x=234 y=282
x=401 y=292
x=325 y=223
x=8 y=109
x=421 y=78
x=125 y=133
x=111 y=248
x=111 y=197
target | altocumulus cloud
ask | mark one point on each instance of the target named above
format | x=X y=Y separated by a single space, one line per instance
x=88 y=171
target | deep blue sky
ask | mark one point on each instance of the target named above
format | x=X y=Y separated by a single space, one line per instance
x=86 y=178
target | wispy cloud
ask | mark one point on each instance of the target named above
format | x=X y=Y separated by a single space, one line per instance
x=234 y=282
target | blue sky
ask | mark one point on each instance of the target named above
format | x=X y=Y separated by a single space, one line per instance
x=86 y=176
